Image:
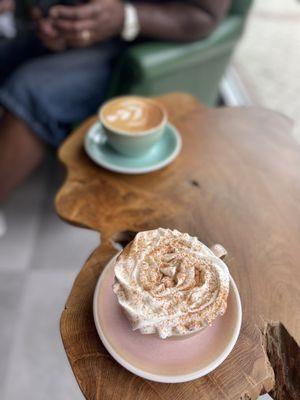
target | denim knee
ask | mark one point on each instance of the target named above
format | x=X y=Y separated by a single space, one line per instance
x=22 y=95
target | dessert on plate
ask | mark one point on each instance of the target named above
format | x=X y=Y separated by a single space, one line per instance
x=169 y=283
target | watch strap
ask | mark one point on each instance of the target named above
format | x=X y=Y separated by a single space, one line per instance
x=131 y=27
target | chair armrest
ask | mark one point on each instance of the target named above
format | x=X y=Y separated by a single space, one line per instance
x=152 y=59
x=240 y=7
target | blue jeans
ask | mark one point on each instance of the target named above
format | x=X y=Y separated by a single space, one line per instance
x=52 y=91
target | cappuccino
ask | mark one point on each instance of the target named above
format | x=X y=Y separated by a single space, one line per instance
x=132 y=115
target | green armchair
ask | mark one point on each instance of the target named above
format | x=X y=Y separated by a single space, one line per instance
x=153 y=68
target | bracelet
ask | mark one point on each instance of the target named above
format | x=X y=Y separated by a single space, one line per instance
x=131 y=27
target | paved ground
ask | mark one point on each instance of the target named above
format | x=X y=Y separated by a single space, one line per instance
x=268 y=57
x=39 y=258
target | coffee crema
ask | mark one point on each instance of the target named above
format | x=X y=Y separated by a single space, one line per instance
x=168 y=282
x=132 y=114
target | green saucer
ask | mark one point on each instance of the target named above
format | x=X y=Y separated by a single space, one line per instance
x=160 y=155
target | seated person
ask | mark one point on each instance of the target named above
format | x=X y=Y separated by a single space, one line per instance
x=56 y=74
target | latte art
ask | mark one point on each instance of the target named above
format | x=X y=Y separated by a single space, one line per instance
x=132 y=114
x=170 y=283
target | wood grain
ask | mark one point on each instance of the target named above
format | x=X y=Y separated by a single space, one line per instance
x=236 y=182
x=284 y=354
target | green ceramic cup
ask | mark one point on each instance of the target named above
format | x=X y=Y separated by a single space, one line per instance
x=124 y=140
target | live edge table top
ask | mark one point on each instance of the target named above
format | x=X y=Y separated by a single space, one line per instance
x=236 y=182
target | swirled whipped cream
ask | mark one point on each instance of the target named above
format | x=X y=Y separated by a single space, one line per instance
x=170 y=283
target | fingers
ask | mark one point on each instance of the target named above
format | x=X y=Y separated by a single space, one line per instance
x=74 y=23
x=46 y=27
x=73 y=27
x=79 y=26
x=82 y=39
x=85 y=11
x=76 y=33
x=6 y=5
x=53 y=44
x=49 y=36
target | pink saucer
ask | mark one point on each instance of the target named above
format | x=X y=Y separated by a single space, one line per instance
x=150 y=357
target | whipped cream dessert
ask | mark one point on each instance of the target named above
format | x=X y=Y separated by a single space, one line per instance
x=168 y=282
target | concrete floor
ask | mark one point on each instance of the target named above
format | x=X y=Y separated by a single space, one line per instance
x=39 y=258
x=268 y=57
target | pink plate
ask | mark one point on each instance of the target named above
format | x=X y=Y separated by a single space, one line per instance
x=150 y=357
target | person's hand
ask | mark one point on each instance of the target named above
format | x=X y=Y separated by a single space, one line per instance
x=86 y=24
x=48 y=35
x=6 y=5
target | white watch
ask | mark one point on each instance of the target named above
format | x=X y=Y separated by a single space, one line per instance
x=131 y=27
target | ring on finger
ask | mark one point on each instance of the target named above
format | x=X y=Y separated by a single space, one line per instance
x=86 y=35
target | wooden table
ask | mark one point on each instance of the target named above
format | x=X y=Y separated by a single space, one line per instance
x=236 y=182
